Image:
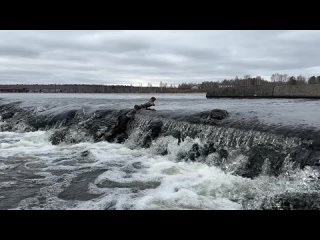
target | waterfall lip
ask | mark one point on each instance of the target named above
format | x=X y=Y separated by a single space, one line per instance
x=71 y=116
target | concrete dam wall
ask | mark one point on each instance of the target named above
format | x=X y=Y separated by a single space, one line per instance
x=267 y=91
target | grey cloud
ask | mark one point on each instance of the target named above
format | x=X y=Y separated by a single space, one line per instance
x=18 y=51
x=134 y=57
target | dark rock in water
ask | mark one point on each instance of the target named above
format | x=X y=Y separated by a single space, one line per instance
x=175 y=134
x=315 y=146
x=65 y=117
x=197 y=151
x=207 y=149
x=223 y=153
x=257 y=157
x=137 y=165
x=302 y=157
x=7 y=115
x=212 y=117
x=218 y=114
x=181 y=156
x=164 y=152
x=195 y=147
x=121 y=137
x=155 y=127
x=58 y=136
x=293 y=201
x=37 y=122
x=85 y=153
x=215 y=114
x=193 y=153
x=146 y=143
x=119 y=129
x=192 y=156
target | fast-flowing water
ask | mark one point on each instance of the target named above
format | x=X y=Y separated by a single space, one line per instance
x=264 y=155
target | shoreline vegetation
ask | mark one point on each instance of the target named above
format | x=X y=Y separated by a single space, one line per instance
x=77 y=88
x=279 y=86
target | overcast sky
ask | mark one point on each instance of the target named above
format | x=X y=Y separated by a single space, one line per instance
x=139 y=57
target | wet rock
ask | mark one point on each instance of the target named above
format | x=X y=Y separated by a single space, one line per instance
x=37 y=122
x=257 y=155
x=218 y=114
x=85 y=153
x=223 y=153
x=192 y=156
x=207 y=149
x=215 y=114
x=193 y=153
x=7 y=115
x=164 y=152
x=64 y=117
x=119 y=129
x=155 y=127
x=315 y=145
x=212 y=117
x=146 y=143
x=293 y=201
x=58 y=136
x=121 y=137
x=307 y=157
x=176 y=134
x=154 y=131
x=137 y=165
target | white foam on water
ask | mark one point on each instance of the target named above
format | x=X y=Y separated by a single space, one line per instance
x=136 y=178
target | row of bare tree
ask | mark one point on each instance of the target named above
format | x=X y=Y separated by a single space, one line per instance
x=247 y=80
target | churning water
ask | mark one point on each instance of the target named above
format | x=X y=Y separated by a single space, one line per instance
x=264 y=155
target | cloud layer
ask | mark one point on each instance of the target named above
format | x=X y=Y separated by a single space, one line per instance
x=139 y=57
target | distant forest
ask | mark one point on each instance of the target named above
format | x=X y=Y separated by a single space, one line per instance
x=276 y=79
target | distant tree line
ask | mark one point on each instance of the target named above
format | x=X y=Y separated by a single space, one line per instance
x=84 y=88
x=294 y=80
x=247 y=80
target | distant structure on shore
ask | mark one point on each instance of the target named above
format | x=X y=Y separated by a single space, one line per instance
x=74 y=88
x=266 y=91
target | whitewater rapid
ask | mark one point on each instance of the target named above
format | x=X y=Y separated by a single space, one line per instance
x=82 y=173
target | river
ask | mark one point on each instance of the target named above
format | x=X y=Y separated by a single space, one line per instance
x=264 y=155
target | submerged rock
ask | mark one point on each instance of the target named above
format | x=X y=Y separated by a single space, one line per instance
x=218 y=114
x=176 y=134
x=58 y=136
x=258 y=158
x=212 y=117
x=194 y=152
x=154 y=129
x=223 y=153
x=208 y=149
x=118 y=131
